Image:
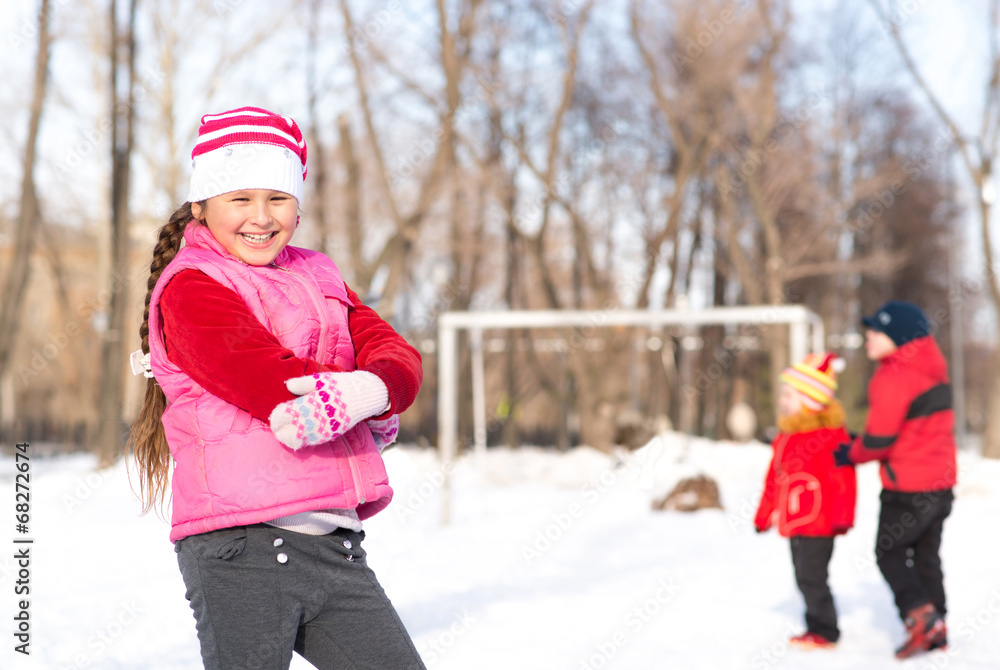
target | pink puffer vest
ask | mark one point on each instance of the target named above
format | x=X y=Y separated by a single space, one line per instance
x=229 y=468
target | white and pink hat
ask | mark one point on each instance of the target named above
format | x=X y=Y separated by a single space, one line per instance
x=247 y=148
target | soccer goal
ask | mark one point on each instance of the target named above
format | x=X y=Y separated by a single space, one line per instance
x=805 y=334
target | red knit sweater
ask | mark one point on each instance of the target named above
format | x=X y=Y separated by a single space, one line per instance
x=250 y=370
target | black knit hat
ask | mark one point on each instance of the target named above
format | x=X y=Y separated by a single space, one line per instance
x=902 y=321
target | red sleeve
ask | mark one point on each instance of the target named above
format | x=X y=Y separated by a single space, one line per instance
x=766 y=508
x=382 y=351
x=212 y=335
x=888 y=403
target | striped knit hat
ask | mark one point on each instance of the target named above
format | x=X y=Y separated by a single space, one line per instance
x=815 y=378
x=247 y=148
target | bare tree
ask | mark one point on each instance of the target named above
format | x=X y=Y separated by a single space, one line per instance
x=541 y=156
x=547 y=172
x=18 y=272
x=682 y=99
x=178 y=29
x=110 y=435
x=978 y=153
x=770 y=180
x=318 y=163
x=396 y=253
x=353 y=211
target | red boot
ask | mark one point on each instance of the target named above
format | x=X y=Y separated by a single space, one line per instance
x=925 y=630
x=810 y=640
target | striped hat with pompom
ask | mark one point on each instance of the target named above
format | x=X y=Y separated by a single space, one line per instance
x=815 y=378
x=247 y=148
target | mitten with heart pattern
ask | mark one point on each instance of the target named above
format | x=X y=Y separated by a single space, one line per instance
x=384 y=431
x=331 y=403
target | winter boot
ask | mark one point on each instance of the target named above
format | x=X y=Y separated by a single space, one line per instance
x=925 y=630
x=810 y=640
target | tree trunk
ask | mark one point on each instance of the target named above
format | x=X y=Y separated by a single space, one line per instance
x=598 y=397
x=110 y=442
x=318 y=163
x=565 y=399
x=510 y=427
x=361 y=271
x=16 y=282
x=991 y=434
x=71 y=374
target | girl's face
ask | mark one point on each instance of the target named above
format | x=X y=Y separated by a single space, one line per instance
x=789 y=401
x=878 y=345
x=254 y=225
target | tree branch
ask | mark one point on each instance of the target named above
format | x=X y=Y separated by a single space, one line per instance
x=879 y=264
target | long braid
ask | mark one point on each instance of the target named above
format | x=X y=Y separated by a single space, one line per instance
x=147 y=440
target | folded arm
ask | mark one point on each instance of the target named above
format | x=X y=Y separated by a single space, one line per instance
x=212 y=336
x=886 y=414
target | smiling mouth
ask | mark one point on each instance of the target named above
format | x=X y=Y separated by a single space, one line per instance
x=261 y=238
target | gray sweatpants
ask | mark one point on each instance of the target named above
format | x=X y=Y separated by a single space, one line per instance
x=260 y=592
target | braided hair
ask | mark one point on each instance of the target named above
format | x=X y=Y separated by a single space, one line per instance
x=147 y=440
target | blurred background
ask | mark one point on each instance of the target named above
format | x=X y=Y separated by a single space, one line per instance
x=519 y=154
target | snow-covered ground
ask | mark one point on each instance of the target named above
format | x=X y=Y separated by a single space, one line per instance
x=551 y=561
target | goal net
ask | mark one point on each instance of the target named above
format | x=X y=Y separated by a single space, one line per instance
x=805 y=330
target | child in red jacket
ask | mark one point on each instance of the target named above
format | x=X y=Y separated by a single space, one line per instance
x=910 y=430
x=812 y=499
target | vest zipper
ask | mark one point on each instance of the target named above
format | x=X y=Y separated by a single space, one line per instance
x=355 y=472
x=324 y=328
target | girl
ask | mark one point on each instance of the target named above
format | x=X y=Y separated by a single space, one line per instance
x=812 y=499
x=273 y=389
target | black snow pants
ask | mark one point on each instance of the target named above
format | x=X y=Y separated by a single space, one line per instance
x=811 y=558
x=909 y=544
x=260 y=592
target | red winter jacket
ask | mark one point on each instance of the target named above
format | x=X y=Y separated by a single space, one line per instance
x=911 y=425
x=804 y=488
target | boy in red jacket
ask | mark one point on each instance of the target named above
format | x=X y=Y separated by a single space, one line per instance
x=910 y=429
x=811 y=497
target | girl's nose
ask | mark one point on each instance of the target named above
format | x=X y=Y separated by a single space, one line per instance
x=260 y=213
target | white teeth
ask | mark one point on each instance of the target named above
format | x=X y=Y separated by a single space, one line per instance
x=256 y=238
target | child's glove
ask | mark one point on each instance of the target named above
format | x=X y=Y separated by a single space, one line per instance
x=842 y=456
x=331 y=404
x=764 y=518
x=384 y=431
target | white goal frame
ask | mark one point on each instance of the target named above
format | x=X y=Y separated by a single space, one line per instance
x=805 y=333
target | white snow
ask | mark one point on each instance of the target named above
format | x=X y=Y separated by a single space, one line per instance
x=551 y=561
